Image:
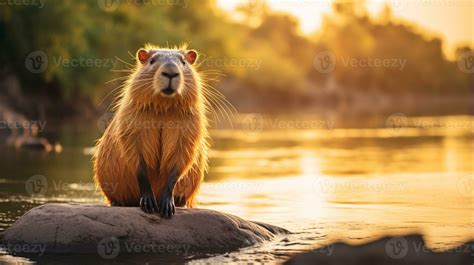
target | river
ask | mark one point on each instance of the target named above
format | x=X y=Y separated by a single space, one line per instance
x=322 y=180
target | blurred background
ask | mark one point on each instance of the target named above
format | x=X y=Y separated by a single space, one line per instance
x=379 y=55
x=353 y=119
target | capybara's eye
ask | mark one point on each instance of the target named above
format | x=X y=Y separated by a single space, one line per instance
x=152 y=61
x=184 y=62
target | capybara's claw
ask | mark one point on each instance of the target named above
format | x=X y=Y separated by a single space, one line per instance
x=148 y=203
x=166 y=206
x=180 y=201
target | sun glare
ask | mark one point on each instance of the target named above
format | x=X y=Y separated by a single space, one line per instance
x=450 y=20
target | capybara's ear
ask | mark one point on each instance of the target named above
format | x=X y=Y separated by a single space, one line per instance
x=191 y=56
x=143 y=55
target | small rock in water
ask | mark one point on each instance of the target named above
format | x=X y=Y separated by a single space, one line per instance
x=410 y=249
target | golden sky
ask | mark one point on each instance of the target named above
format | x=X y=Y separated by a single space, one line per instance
x=450 y=19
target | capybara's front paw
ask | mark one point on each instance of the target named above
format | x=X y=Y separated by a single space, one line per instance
x=148 y=203
x=166 y=206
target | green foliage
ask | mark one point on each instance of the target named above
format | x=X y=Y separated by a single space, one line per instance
x=70 y=29
x=81 y=30
x=358 y=37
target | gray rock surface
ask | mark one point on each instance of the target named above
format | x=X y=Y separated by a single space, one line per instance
x=410 y=249
x=67 y=228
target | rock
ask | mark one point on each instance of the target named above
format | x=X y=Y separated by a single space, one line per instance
x=410 y=249
x=66 y=228
x=33 y=143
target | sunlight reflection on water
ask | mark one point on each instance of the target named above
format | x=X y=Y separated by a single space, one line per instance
x=322 y=184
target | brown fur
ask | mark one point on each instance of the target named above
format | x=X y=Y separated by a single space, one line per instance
x=166 y=132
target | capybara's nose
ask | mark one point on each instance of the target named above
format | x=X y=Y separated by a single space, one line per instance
x=170 y=70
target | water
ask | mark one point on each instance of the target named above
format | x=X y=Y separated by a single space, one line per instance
x=324 y=181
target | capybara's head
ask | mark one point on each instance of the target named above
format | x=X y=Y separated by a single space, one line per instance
x=165 y=74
